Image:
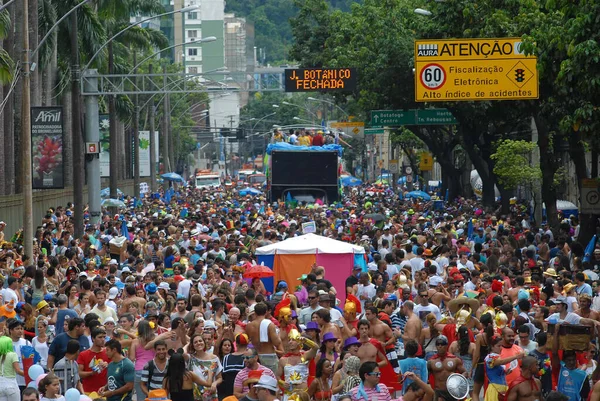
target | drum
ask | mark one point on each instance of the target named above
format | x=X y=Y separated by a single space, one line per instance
x=572 y=337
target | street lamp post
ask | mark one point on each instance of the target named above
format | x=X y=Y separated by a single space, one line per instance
x=308 y=111
x=312 y=99
x=26 y=140
x=114 y=155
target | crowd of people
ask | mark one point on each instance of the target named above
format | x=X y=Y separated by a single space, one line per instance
x=153 y=303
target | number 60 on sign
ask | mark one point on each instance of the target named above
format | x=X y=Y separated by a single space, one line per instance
x=433 y=76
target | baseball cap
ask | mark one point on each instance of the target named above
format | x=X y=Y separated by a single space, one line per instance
x=441 y=339
x=561 y=300
x=109 y=320
x=210 y=324
x=267 y=382
x=113 y=292
x=164 y=285
x=125 y=270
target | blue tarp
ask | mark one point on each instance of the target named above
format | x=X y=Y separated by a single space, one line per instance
x=296 y=148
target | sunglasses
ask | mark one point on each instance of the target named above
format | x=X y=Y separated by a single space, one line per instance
x=374 y=374
x=245 y=357
x=312 y=297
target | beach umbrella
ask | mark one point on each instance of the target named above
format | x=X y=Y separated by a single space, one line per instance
x=418 y=195
x=259 y=271
x=350 y=181
x=113 y=203
x=173 y=177
x=105 y=193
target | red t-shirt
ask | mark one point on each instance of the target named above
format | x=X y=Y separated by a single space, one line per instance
x=89 y=359
x=318 y=140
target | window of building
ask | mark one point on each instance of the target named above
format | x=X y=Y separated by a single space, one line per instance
x=192 y=52
x=192 y=15
x=193 y=70
x=192 y=33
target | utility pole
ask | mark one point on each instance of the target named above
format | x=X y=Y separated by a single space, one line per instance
x=114 y=140
x=92 y=134
x=166 y=123
x=152 y=143
x=78 y=166
x=26 y=140
x=136 y=137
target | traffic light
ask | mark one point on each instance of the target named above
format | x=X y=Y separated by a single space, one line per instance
x=240 y=134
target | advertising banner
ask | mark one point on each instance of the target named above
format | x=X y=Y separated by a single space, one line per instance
x=47 y=147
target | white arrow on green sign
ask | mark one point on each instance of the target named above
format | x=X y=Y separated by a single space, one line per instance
x=391 y=118
x=373 y=131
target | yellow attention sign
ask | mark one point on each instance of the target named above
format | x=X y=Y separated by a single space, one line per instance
x=474 y=69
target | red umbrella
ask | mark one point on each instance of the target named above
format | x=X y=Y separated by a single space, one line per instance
x=258 y=271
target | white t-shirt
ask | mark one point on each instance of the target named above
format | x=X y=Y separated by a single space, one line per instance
x=417 y=264
x=392 y=270
x=17 y=347
x=335 y=314
x=368 y=290
x=571 y=318
x=422 y=312
x=184 y=288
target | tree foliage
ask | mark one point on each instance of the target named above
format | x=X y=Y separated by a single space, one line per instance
x=273 y=32
x=513 y=166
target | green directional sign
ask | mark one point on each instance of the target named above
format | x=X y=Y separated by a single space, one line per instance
x=396 y=118
x=373 y=131
x=435 y=117
x=381 y=118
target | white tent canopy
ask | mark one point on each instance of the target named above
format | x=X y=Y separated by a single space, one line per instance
x=308 y=244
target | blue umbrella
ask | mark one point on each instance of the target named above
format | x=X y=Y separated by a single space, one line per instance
x=418 y=195
x=249 y=191
x=173 y=177
x=105 y=193
x=351 y=181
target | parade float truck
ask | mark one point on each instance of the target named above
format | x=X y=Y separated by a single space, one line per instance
x=303 y=174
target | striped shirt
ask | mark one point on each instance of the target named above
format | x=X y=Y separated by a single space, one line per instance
x=68 y=374
x=372 y=394
x=243 y=375
x=156 y=381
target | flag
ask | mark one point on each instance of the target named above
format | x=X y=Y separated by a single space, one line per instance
x=470 y=231
x=447 y=194
x=124 y=231
x=589 y=249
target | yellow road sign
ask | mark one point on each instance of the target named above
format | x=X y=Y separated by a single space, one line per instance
x=350 y=124
x=474 y=69
x=426 y=161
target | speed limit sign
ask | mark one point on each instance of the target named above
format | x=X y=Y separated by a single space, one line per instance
x=433 y=76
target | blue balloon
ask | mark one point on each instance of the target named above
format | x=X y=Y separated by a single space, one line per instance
x=35 y=371
x=32 y=385
x=72 y=394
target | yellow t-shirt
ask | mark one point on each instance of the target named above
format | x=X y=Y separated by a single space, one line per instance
x=304 y=141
